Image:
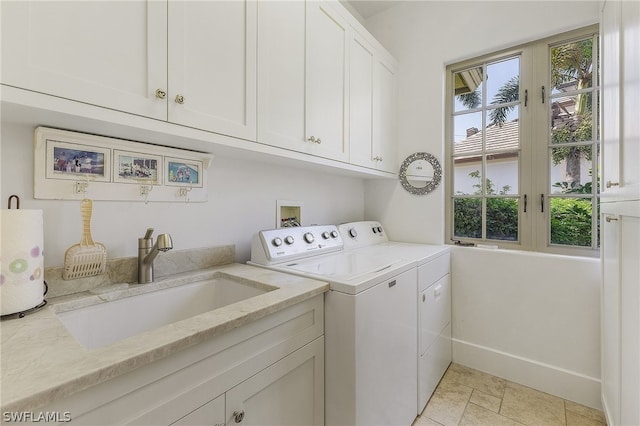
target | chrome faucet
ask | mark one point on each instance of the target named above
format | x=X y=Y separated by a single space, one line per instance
x=147 y=252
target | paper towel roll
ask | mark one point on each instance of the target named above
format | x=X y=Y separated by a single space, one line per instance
x=21 y=260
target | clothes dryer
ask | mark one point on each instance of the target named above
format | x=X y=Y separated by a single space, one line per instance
x=433 y=296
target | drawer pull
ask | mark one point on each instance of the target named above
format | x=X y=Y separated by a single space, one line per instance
x=392 y=283
x=610 y=184
x=611 y=219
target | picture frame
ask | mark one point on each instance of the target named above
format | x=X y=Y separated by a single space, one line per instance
x=74 y=161
x=115 y=169
x=182 y=172
x=136 y=168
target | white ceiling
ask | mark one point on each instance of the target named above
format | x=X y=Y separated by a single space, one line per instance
x=368 y=8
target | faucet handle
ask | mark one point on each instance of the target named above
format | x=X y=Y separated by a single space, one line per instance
x=148 y=234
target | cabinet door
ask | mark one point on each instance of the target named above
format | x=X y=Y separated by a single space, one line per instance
x=289 y=392
x=630 y=108
x=384 y=116
x=211 y=413
x=371 y=107
x=326 y=82
x=610 y=318
x=212 y=66
x=110 y=54
x=281 y=74
x=361 y=65
x=629 y=232
x=620 y=101
x=610 y=30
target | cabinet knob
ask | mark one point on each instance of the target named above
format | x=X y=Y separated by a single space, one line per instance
x=377 y=158
x=610 y=184
x=313 y=139
x=161 y=94
x=238 y=416
x=179 y=99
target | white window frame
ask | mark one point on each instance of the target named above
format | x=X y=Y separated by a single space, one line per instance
x=533 y=159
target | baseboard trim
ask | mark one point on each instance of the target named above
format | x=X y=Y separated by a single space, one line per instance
x=547 y=378
x=607 y=412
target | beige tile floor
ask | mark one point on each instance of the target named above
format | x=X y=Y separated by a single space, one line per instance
x=470 y=397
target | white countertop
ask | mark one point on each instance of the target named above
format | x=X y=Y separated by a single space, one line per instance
x=41 y=362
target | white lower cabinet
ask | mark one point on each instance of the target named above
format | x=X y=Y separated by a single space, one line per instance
x=269 y=372
x=211 y=413
x=290 y=392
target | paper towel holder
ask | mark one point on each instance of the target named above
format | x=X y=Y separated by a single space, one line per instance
x=22 y=314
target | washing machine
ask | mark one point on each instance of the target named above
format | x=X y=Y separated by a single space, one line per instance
x=370 y=322
x=432 y=263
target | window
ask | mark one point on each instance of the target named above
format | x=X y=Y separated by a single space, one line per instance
x=522 y=147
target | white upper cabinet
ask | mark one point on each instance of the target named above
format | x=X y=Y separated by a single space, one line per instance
x=371 y=106
x=281 y=74
x=212 y=66
x=384 y=115
x=326 y=82
x=620 y=31
x=302 y=63
x=191 y=63
x=110 y=54
x=361 y=69
x=630 y=148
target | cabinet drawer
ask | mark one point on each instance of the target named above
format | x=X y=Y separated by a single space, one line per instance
x=432 y=271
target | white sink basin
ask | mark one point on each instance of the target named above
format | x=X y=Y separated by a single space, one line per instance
x=105 y=323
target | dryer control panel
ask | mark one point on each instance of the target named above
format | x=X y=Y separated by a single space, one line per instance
x=362 y=234
x=281 y=245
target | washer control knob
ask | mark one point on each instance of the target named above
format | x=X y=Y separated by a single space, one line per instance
x=380 y=229
x=353 y=233
x=277 y=241
x=374 y=229
x=289 y=239
x=308 y=237
x=326 y=235
x=334 y=234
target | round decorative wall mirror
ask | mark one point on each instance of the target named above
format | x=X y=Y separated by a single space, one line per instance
x=420 y=173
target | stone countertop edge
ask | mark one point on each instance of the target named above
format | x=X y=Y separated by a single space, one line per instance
x=43 y=363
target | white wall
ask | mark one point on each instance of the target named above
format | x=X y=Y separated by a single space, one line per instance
x=531 y=318
x=242 y=200
x=425 y=36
